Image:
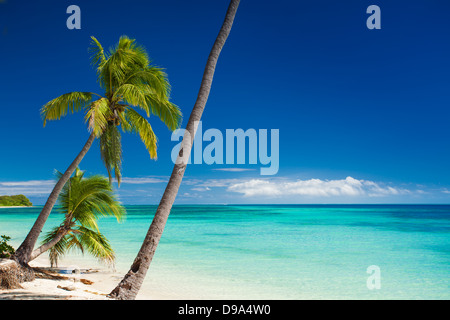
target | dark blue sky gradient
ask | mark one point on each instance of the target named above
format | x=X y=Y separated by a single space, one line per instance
x=348 y=101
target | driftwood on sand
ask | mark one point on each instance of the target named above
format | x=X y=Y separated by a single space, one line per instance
x=12 y=275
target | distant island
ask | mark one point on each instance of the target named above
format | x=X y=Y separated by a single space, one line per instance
x=15 y=201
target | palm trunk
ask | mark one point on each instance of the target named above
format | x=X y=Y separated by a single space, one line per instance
x=63 y=230
x=37 y=252
x=130 y=285
x=23 y=253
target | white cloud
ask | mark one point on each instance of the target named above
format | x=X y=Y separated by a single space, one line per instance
x=27 y=183
x=201 y=189
x=234 y=169
x=212 y=183
x=144 y=180
x=28 y=188
x=190 y=195
x=314 y=188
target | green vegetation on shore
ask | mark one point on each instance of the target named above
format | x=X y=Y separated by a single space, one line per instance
x=17 y=200
x=5 y=249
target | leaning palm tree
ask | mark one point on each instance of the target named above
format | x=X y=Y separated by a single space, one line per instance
x=130 y=83
x=82 y=201
x=130 y=285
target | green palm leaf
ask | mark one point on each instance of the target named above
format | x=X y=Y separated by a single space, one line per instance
x=98 y=115
x=169 y=113
x=58 y=107
x=83 y=201
x=98 y=53
x=96 y=245
x=111 y=151
x=133 y=94
x=58 y=250
x=130 y=83
x=142 y=127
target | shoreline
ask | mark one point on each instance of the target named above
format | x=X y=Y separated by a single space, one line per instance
x=92 y=283
x=239 y=257
x=14 y=207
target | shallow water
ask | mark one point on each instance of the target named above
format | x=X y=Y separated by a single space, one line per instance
x=281 y=251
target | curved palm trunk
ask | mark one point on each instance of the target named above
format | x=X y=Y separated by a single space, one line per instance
x=23 y=253
x=49 y=244
x=130 y=285
x=37 y=252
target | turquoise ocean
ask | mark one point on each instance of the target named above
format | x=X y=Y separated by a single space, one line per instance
x=281 y=251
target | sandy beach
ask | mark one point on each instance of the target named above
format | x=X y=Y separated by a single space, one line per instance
x=89 y=284
x=232 y=253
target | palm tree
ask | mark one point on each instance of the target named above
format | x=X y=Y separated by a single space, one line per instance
x=82 y=201
x=130 y=83
x=130 y=285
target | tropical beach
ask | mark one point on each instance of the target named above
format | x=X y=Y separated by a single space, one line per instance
x=129 y=81
x=226 y=252
x=222 y=150
x=57 y=288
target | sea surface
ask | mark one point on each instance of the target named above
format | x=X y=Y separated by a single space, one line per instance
x=282 y=251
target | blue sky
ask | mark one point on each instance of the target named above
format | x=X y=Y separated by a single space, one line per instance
x=362 y=114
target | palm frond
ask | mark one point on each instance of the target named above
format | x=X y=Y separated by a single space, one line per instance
x=169 y=113
x=96 y=245
x=133 y=94
x=111 y=151
x=121 y=115
x=123 y=59
x=98 y=115
x=56 y=252
x=131 y=52
x=60 y=106
x=98 y=57
x=142 y=127
x=86 y=200
x=94 y=196
x=154 y=77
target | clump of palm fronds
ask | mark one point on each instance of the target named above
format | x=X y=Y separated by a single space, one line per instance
x=83 y=201
x=130 y=84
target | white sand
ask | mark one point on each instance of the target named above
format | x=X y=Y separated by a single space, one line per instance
x=104 y=281
x=43 y=289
